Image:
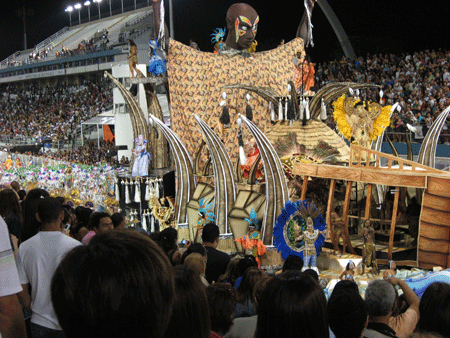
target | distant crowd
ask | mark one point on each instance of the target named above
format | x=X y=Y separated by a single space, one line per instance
x=54 y=111
x=419 y=82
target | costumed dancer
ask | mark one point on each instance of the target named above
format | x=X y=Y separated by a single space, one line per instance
x=369 y=252
x=310 y=253
x=157 y=64
x=142 y=158
x=251 y=241
x=132 y=58
x=338 y=227
x=349 y=271
x=204 y=217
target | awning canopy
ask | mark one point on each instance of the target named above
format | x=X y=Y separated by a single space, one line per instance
x=100 y=120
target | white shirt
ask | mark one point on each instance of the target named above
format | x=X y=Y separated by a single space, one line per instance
x=36 y=262
x=9 y=279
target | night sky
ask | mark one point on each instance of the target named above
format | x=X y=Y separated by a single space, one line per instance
x=373 y=26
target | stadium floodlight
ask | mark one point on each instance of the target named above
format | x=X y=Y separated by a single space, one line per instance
x=78 y=8
x=110 y=12
x=88 y=5
x=69 y=10
x=98 y=4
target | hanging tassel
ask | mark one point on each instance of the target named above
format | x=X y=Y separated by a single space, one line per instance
x=117 y=192
x=307 y=113
x=127 y=193
x=147 y=190
x=144 y=221
x=280 y=110
x=272 y=112
x=242 y=157
x=248 y=109
x=137 y=191
x=152 y=222
x=131 y=216
x=161 y=187
x=323 y=110
x=304 y=114
x=286 y=101
x=381 y=96
x=162 y=31
x=302 y=110
x=157 y=188
x=309 y=40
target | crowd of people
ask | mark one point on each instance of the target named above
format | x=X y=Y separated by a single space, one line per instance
x=91 y=153
x=419 y=82
x=54 y=111
x=80 y=273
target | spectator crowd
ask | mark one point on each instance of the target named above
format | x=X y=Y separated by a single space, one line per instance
x=419 y=82
x=80 y=273
x=54 y=111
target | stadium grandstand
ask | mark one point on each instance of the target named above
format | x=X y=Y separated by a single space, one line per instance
x=56 y=95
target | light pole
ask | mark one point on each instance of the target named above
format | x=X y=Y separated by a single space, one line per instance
x=110 y=12
x=134 y=4
x=69 y=10
x=88 y=5
x=98 y=4
x=78 y=8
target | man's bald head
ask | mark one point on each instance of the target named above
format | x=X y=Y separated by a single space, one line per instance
x=242 y=22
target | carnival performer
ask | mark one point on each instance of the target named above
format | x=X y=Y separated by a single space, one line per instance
x=141 y=158
x=304 y=73
x=349 y=271
x=251 y=241
x=132 y=58
x=338 y=227
x=205 y=216
x=310 y=253
x=369 y=252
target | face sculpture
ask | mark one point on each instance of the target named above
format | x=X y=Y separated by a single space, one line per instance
x=242 y=25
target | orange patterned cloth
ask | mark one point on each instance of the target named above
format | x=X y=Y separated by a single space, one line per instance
x=308 y=76
x=196 y=79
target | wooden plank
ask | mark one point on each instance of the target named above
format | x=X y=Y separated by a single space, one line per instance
x=433 y=216
x=438 y=186
x=368 y=201
x=433 y=245
x=330 y=210
x=393 y=222
x=399 y=262
x=433 y=258
x=348 y=193
x=374 y=176
x=435 y=202
x=393 y=178
x=433 y=231
x=304 y=188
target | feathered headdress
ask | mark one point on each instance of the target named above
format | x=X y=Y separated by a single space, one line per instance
x=218 y=35
x=204 y=210
x=308 y=210
x=253 y=221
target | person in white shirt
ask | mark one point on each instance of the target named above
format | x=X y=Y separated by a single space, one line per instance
x=37 y=260
x=12 y=323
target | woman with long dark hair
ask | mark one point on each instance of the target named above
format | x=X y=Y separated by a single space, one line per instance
x=31 y=225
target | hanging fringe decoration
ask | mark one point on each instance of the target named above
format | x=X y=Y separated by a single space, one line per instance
x=162 y=30
x=272 y=112
x=147 y=190
x=144 y=221
x=127 y=193
x=242 y=157
x=280 y=110
x=137 y=191
x=309 y=40
x=307 y=113
x=323 y=110
x=152 y=222
x=157 y=194
x=286 y=100
x=117 y=192
x=248 y=109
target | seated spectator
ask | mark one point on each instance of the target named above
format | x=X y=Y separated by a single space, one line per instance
x=347 y=313
x=244 y=263
x=292 y=305
x=293 y=262
x=222 y=302
x=244 y=304
x=194 y=247
x=119 y=221
x=312 y=273
x=121 y=284
x=190 y=313
x=379 y=299
x=167 y=239
x=231 y=273
x=196 y=262
x=404 y=323
x=434 y=310
x=99 y=222
x=245 y=327
x=217 y=260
